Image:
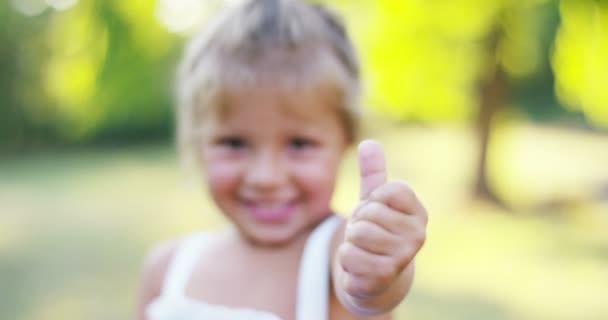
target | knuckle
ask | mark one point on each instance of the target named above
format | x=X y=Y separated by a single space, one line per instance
x=380 y=277
x=404 y=262
x=403 y=224
x=419 y=238
x=372 y=288
x=408 y=251
x=349 y=235
x=360 y=287
x=358 y=211
x=424 y=216
x=386 y=271
x=357 y=232
x=401 y=188
x=406 y=257
x=397 y=194
x=372 y=207
x=353 y=286
x=345 y=255
x=380 y=193
x=345 y=251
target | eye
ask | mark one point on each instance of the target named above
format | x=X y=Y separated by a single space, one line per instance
x=232 y=142
x=299 y=143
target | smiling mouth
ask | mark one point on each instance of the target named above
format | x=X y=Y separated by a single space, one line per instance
x=270 y=212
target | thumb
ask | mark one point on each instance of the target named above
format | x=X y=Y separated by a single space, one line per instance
x=372 y=167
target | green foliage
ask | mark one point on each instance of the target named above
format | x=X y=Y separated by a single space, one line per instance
x=425 y=59
x=580 y=59
x=100 y=69
x=103 y=70
x=114 y=70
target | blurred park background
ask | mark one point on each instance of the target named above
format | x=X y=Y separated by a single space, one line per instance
x=496 y=111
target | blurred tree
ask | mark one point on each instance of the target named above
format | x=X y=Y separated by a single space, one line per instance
x=9 y=117
x=92 y=71
x=110 y=70
x=437 y=61
x=580 y=59
x=20 y=87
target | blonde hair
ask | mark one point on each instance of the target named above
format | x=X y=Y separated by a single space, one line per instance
x=287 y=43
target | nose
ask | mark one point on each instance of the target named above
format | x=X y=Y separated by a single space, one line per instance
x=266 y=171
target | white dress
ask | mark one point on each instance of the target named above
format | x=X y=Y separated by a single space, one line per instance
x=313 y=283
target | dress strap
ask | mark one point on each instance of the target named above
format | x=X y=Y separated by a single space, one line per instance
x=183 y=263
x=313 y=279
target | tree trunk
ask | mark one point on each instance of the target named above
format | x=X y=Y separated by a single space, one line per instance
x=492 y=98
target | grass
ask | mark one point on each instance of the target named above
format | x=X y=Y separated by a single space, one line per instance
x=75 y=226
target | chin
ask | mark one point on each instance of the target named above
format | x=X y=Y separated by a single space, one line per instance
x=275 y=233
x=270 y=236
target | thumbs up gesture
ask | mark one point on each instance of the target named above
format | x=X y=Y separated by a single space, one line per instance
x=383 y=234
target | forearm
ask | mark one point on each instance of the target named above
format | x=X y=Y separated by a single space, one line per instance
x=381 y=303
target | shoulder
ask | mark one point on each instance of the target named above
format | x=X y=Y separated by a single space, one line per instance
x=156 y=261
x=155 y=266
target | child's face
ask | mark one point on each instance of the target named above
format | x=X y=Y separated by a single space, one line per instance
x=271 y=162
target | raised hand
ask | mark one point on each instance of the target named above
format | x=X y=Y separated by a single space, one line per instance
x=384 y=232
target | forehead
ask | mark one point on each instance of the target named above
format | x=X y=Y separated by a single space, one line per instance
x=302 y=85
x=270 y=104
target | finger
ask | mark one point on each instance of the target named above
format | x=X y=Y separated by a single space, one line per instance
x=359 y=262
x=372 y=168
x=399 y=196
x=365 y=274
x=391 y=220
x=372 y=237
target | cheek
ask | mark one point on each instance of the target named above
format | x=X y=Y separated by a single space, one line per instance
x=222 y=177
x=317 y=181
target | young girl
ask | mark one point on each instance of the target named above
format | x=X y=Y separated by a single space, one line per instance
x=268 y=108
